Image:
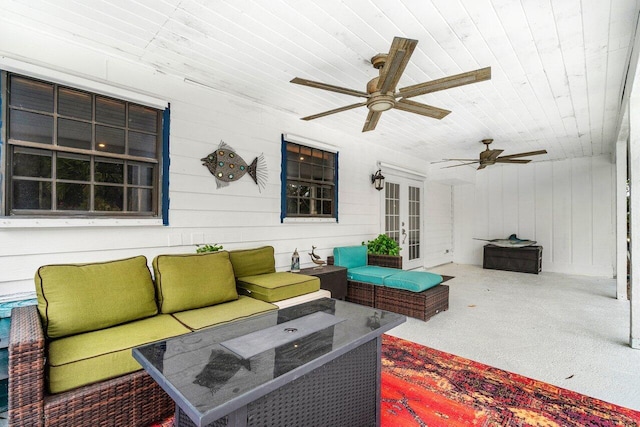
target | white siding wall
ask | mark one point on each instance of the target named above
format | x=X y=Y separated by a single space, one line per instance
x=238 y=216
x=438 y=229
x=567 y=206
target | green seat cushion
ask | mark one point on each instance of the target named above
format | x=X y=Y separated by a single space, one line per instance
x=250 y=262
x=221 y=313
x=189 y=281
x=370 y=274
x=350 y=256
x=99 y=355
x=277 y=286
x=414 y=281
x=77 y=298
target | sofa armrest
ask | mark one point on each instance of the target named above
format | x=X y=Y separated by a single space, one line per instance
x=26 y=367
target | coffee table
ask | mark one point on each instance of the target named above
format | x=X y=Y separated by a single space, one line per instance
x=316 y=363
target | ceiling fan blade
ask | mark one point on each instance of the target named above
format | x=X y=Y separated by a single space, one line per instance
x=372 y=120
x=422 y=109
x=503 y=160
x=490 y=155
x=445 y=83
x=530 y=153
x=329 y=87
x=337 y=110
x=397 y=59
x=461 y=164
x=451 y=160
x=482 y=166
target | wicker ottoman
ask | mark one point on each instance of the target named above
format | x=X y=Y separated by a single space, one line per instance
x=421 y=305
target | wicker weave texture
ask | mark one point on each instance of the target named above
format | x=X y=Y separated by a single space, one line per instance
x=390 y=261
x=362 y=293
x=421 y=305
x=343 y=392
x=26 y=368
x=130 y=400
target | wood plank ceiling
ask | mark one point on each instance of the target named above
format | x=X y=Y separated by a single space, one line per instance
x=558 y=65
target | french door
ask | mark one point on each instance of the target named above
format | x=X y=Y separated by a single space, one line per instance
x=402 y=218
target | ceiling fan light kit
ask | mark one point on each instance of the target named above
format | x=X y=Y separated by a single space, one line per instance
x=381 y=94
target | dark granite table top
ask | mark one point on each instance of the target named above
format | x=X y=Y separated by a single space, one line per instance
x=212 y=372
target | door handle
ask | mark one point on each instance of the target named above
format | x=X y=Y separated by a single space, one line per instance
x=404 y=234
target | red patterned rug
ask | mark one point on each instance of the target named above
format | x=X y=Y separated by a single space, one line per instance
x=426 y=387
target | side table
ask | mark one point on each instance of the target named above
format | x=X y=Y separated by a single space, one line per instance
x=332 y=278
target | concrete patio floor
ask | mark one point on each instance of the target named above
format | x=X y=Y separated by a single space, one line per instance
x=569 y=331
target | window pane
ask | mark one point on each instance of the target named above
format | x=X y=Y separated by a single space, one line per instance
x=74 y=134
x=305 y=206
x=305 y=153
x=328 y=159
x=327 y=207
x=139 y=200
x=107 y=171
x=34 y=163
x=317 y=173
x=73 y=167
x=31 y=94
x=31 y=195
x=305 y=170
x=109 y=139
x=142 y=144
x=110 y=111
x=292 y=206
x=109 y=198
x=140 y=175
x=72 y=197
x=25 y=126
x=73 y=103
x=292 y=169
x=329 y=174
x=142 y=118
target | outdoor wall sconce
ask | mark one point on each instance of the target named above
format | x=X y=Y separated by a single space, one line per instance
x=378 y=180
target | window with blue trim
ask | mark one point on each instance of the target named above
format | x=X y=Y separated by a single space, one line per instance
x=309 y=182
x=69 y=152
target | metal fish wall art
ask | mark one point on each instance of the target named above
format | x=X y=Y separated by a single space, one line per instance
x=227 y=166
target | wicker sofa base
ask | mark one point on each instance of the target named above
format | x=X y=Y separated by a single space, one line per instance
x=131 y=400
x=362 y=293
x=421 y=305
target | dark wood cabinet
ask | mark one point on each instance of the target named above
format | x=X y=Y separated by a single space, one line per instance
x=524 y=260
x=332 y=278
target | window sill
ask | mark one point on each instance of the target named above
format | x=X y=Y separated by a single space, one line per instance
x=296 y=220
x=12 y=222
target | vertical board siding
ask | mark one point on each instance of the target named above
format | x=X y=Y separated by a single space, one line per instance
x=438 y=220
x=566 y=206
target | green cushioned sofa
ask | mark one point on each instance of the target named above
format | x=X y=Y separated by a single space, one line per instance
x=70 y=356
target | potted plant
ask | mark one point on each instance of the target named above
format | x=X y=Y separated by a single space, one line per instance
x=385 y=250
x=208 y=248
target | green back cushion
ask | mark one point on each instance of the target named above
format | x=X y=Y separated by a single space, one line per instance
x=188 y=281
x=250 y=262
x=75 y=298
x=350 y=256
